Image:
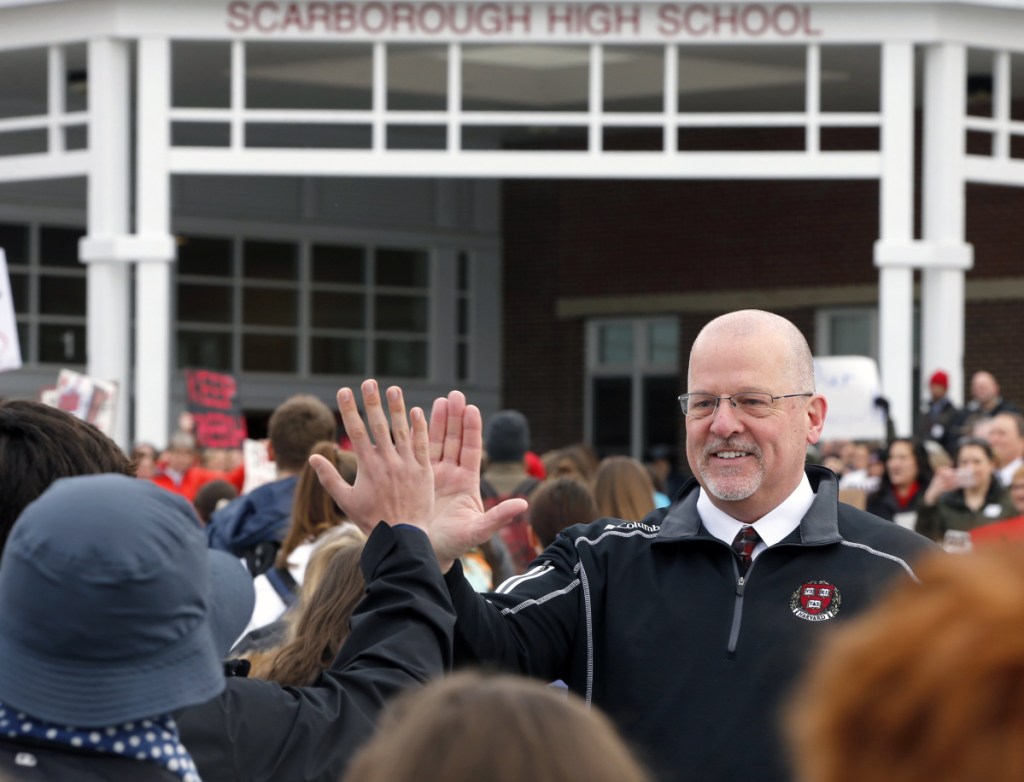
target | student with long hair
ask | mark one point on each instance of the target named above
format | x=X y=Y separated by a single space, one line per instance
x=959 y=500
x=319 y=623
x=902 y=487
x=623 y=489
x=313 y=513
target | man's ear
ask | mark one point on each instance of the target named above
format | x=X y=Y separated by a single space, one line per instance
x=270 y=452
x=817 y=409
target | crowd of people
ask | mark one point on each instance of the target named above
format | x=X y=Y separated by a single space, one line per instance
x=160 y=620
x=959 y=479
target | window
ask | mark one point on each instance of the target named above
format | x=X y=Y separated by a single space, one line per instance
x=847 y=331
x=271 y=306
x=48 y=288
x=462 y=317
x=632 y=385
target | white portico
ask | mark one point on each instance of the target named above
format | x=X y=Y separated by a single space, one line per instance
x=463 y=91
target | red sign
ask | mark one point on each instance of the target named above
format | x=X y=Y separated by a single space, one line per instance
x=212 y=401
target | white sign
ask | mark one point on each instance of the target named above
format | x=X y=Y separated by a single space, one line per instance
x=851 y=385
x=259 y=467
x=85 y=397
x=10 y=348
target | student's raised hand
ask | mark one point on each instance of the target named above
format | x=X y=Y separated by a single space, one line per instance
x=456 y=449
x=394 y=481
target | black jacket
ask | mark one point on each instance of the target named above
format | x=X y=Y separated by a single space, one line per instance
x=401 y=636
x=651 y=621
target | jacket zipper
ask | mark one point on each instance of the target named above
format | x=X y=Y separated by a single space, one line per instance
x=737 y=607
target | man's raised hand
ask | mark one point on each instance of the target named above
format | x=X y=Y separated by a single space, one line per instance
x=456 y=450
x=394 y=481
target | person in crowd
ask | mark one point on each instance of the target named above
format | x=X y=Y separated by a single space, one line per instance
x=509 y=729
x=1006 y=436
x=507 y=441
x=319 y=623
x=907 y=475
x=860 y=458
x=959 y=499
x=253 y=525
x=623 y=489
x=560 y=503
x=143 y=457
x=662 y=460
x=985 y=403
x=574 y=461
x=1009 y=529
x=314 y=512
x=38 y=445
x=113 y=615
x=179 y=472
x=401 y=631
x=926 y=686
x=938 y=413
x=211 y=497
x=689 y=626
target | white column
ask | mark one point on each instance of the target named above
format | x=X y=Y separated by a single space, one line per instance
x=156 y=247
x=107 y=278
x=942 y=182
x=893 y=255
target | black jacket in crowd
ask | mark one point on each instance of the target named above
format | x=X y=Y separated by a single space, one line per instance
x=652 y=622
x=401 y=636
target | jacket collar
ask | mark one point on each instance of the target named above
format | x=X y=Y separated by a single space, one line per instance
x=819 y=525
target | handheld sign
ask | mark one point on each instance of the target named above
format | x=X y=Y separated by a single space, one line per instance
x=88 y=398
x=851 y=386
x=10 y=348
x=218 y=422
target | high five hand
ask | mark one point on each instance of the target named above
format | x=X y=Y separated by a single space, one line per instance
x=456 y=448
x=394 y=482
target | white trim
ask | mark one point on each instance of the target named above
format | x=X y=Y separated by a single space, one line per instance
x=512 y=582
x=536 y=601
x=18 y=168
x=891 y=557
x=545 y=165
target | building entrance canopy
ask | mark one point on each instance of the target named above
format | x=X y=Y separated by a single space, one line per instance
x=501 y=90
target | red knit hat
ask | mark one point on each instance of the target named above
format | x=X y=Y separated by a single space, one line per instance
x=939 y=378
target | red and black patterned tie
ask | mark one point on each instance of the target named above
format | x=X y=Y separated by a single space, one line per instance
x=743 y=544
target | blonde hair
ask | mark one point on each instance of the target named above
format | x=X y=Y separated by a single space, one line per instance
x=623 y=488
x=319 y=622
x=927 y=685
x=508 y=729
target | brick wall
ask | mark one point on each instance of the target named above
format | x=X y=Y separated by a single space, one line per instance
x=584 y=238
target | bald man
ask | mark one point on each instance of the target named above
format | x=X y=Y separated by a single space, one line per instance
x=986 y=403
x=689 y=626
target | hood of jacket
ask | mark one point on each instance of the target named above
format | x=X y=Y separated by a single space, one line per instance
x=262 y=514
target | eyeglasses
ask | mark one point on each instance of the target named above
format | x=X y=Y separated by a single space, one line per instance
x=750 y=403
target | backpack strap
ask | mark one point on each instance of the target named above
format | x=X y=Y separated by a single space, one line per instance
x=285 y=586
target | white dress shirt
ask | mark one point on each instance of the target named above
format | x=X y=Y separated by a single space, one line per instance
x=772 y=527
